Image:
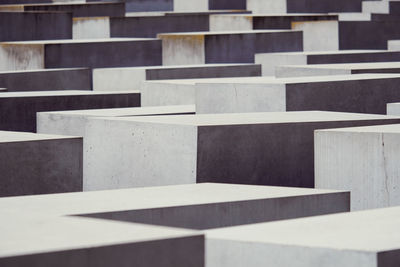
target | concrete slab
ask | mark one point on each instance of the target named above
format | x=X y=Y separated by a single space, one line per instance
x=18 y=109
x=249 y=148
x=110 y=79
x=94 y=53
x=363 y=93
x=47 y=80
x=393 y=109
x=336 y=69
x=394 y=45
x=226 y=47
x=95 y=9
x=74 y=122
x=39 y=164
x=196 y=206
x=36 y=25
x=38 y=241
x=363 y=160
x=368 y=238
x=91 y=28
x=270 y=60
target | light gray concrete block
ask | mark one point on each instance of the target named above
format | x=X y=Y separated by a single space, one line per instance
x=270 y=60
x=393 y=45
x=362 y=160
x=367 y=238
x=196 y=206
x=393 y=109
x=110 y=79
x=34 y=241
x=249 y=148
x=39 y=164
x=91 y=28
x=336 y=69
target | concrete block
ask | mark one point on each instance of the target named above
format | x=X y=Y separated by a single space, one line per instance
x=367 y=238
x=110 y=79
x=196 y=206
x=91 y=28
x=336 y=69
x=18 y=109
x=95 y=9
x=47 y=241
x=39 y=164
x=95 y=53
x=74 y=122
x=36 y=25
x=320 y=31
x=362 y=160
x=269 y=61
x=226 y=47
x=250 y=148
x=394 y=45
x=149 y=5
x=47 y=80
x=393 y=109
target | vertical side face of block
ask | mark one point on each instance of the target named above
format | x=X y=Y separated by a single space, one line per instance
x=323 y=6
x=237 y=98
x=270 y=61
x=231 y=23
x=267 y=6
x=319 y=35
x=21 y=56
x=41 y=167
x=393 y=109
x=91 y=28
x=183 y=49
x=190 y=5
x=115 y=79
x=122 y=154
x=146 y=5
x=364 y=163
x=50 y=123
x=166 y=94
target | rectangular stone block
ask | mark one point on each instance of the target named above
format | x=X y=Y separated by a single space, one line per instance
x=95 y=53
x=149 y=5
x=196 y=206
x=35 y=25
x=393 y=109
x=18 y=109
x=362 y=160
x=249 y=148
x=47 y=80
x=368 y=238
x=74 y=122
x=39 y=164
x=393 y=45
x=270 y=60
x=47 y=241
x=336 y=69
x=320 y=31
x=226 y=47
x=110 y=79
x=91 y=28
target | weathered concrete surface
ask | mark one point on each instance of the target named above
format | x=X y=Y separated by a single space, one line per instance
x=336 y=69
x=196 y=206
x=110 y=79
x=368 y=238
x=94 y=53
x=250 y=148
x=74 y=122
x=363 y=160
x=18 y=109
x=36 y=241
x=226 y=47
x=36 y=25
x=270 y=60
x=393 y=109
x=39 y=164
x=394 y=45
x=46 y=80
x=91 y=28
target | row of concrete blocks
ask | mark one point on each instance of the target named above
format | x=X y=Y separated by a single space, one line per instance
x=257 y=6
x=122 y=148
x=219 y=225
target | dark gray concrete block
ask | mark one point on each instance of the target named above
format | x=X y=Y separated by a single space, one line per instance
x=47 y=80
x=323 y=6
x=285 y=21
x=227 y=4
x=39 y=164
x=149 y=5
x=18 y=110
x=35 y=25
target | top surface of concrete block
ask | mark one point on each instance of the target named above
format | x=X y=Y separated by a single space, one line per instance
x=61 y=93
x=39 y=70
x=220 y=33
x=371 y=231
x=177 y=66
x=351 y=66
x=7 y=137
x=148 y=198
x=389 y=128
x=77 y=41
x=306 y=53
x=255 y=118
